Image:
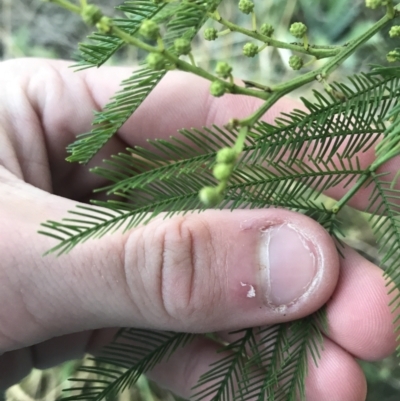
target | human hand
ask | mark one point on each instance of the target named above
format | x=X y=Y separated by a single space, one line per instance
x=181 y=274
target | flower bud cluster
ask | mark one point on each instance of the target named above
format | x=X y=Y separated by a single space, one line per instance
x=156 y=61
x=149 y=29
x=182 y=46
x=394 y=31
x=210 y=196
x=250 y=49
x=296 y=62
x=267 y=29
x=223 y=69
x=104 y=25
x=298 y=30
x=226 y=157
x=393 y=56
x=210 y=34
x=217 y=88
x=246 y=6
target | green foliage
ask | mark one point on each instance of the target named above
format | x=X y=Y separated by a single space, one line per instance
x=102 y=46
x=132 y=353
x=188 y=19
x=248 y=164
x=285 y=181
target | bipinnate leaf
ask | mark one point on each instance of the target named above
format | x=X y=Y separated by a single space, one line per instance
x=186 y=21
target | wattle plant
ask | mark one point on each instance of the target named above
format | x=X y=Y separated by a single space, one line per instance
x=248 y=163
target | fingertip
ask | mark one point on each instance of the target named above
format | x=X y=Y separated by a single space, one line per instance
x=359 y=315
x=337 y=377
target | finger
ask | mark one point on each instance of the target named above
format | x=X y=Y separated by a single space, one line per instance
x=45 y=105
x=16 y=364
x=359 y=316
x=58 y=104
x=338 y=377
x=358 y=313
x=199 y=272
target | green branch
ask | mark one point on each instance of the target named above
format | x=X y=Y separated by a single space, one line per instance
x=318 y=52
x=343 y=201
x=185 y=66
x=278 y=91
x=67 y=5
x=270 y=94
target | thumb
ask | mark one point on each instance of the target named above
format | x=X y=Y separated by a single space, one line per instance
x=217 y=270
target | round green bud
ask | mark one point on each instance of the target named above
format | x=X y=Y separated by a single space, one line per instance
x=217 y=88
x=298 y=30
x=210 y=34
x=155 y=61
x=182 y=46
x=104 y=25
x=393 y=56
x=246 y=6
x=210 y=196
x=394 y=31
x=223 y=69
x=222 y=171
x=91 y=14
x=296 y=62
x=373 y=3
x=226 y=155
x=267 y=29
x=250 y=49
x=149 y=29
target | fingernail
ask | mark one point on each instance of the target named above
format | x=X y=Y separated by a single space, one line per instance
x=289 y=263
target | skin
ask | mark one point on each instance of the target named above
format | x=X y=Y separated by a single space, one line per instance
x=150 y=276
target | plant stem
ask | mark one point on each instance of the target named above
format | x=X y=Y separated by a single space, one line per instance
x=353 y=45
x=185 y=66
x=67 y=5
x=134 y=41
x=322 y=72
x=254 y=21
x=360 y=182
x=318 y=52
x=253 y=118
x=191 y=58
x=381 y=160
x=235 y=89
x=271 y=94
x=224 y=32
x=390 y=10
x=243 y=131
x=305 y=42
x=278 y=91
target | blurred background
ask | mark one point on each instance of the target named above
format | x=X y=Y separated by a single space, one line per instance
x=31 y=28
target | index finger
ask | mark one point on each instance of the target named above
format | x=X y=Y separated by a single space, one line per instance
x=58 y=103
x=63 y=101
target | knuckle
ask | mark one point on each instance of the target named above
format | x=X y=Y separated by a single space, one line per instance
x=186 y=264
